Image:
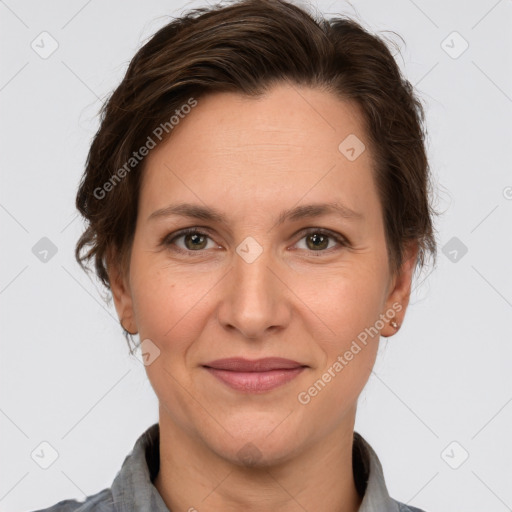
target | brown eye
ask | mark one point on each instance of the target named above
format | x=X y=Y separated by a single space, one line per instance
x=193 y=241
x=319 y=240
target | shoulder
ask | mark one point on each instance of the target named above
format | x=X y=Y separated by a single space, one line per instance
x=99 y=502
x=402 y=507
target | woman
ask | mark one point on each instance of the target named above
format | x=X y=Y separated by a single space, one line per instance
x=257 y=203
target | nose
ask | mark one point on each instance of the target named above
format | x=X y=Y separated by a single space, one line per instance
x=255 y=298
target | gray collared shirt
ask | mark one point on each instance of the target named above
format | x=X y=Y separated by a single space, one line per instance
x=133 y=491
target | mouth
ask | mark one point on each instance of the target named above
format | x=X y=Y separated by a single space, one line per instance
x=255 y=376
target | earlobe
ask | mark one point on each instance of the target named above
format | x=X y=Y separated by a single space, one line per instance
x=398 y=298
x=121 y=294
x=129 y=326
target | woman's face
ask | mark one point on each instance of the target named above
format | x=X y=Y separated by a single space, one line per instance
x=258 y=282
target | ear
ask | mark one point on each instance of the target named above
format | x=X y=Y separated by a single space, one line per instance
x=400 y=291
x=121 y=293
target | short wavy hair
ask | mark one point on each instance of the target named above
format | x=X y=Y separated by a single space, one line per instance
x=246 y=47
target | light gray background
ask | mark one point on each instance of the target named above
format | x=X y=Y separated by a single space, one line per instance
x=66 y=376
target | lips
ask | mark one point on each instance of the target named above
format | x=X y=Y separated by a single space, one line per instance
x=259 y=365
x=256 y=376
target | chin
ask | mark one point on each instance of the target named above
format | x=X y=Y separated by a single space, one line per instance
x=255 y=448
x=255 y=455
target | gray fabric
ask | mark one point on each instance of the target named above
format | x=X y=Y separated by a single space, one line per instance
x=133 y=491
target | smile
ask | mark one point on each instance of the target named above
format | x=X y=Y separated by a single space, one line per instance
x=255 y=376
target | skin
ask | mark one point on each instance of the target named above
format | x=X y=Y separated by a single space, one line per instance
x=251 y=159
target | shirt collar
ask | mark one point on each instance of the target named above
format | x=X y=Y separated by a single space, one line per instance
x=133 y=489
x=376 y=497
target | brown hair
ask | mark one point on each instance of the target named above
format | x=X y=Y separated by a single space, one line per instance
x=246 y=47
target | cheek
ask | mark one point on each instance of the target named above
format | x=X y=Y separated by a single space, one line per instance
x=170 y=306
x=349 y=307
x=333 y=392
x=170 y=309
x=347 y=301
x=159 y=304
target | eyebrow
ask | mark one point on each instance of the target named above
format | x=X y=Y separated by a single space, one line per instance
x=194 y=211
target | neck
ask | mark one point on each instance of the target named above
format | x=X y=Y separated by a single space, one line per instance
x=193 y=477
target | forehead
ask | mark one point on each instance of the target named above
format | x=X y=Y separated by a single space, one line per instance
x=284 y=144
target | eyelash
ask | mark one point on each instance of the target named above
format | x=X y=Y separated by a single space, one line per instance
x=167 y=241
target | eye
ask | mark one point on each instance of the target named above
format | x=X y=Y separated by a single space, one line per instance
x=317 y=240
x=193 y=240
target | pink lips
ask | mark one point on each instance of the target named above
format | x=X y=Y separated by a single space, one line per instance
x=255 y=376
